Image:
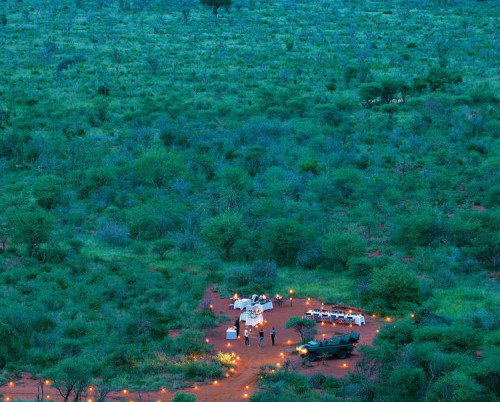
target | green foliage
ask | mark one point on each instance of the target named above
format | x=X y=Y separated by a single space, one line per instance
x=306 y=328
x=183 y=397
x=282 y=239
x=418 y=230
x=393 y=287
x=162 y=246
x=339 y=248
x=30 y=227
x=260 y=149
x=216 y=4
x=457 y=387
x=48 y=190
x=222 y=232
x=191 y=343
x=438 y=78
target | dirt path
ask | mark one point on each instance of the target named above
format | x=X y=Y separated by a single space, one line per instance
x=233 y=388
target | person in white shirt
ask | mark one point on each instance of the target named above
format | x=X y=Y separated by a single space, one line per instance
x=247 y=340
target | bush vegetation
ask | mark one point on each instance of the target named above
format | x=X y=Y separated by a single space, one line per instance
x=148 y=148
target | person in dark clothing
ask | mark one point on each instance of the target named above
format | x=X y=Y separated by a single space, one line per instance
x=261 y=337
x=273 y=334
x=237 y=325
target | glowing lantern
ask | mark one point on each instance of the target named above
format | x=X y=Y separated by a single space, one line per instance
x=125 y=391
x=264 y=297
x=215 y=382
x=278 y=364
x=47 y=382
x=373 y=315
x=388 y=319
x=11 y=384
x=206 y=340
x=247 y=387
x=235 y=296
x=91 y=389
x=412 y=315
x=245 y=395
x=47 y=397
x=344 y=365
x=291 y=291
x=163 y=390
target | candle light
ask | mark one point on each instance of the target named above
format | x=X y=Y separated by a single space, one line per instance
x=388 y=319
x=91 y=389
x=215 y=382
x=48 y=397
x=206 y=340
x=47 y=382
x=163 y=390
x=344 y=365
x=373 y=316
x=412 y=315
x=245 y=395
x=291 y=291
x=11 y=384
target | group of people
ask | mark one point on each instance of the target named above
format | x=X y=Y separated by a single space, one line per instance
x=247 y=333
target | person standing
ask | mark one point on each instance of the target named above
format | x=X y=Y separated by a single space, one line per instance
x=247 y=340
x=273 y=334
x=261 y=337
x=237 y=325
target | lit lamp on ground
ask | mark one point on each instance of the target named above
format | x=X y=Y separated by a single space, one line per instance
x=11 y=384
x=125 y=391
x=235 y=297
x=388 y=319
x=47 y=382
x=211 y=307
x=345 y=365
x=206 y=340
x=291 y=299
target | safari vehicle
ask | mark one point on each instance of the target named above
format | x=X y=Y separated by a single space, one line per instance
x=340 y=347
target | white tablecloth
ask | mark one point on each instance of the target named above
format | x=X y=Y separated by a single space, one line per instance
x=267 y=306
x=244 y=316
x=255 y=308
x=254 y=320
x=242 y=303
x=358 y=319
x=230 y=333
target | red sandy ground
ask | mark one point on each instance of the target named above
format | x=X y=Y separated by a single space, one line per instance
x=233 y=388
